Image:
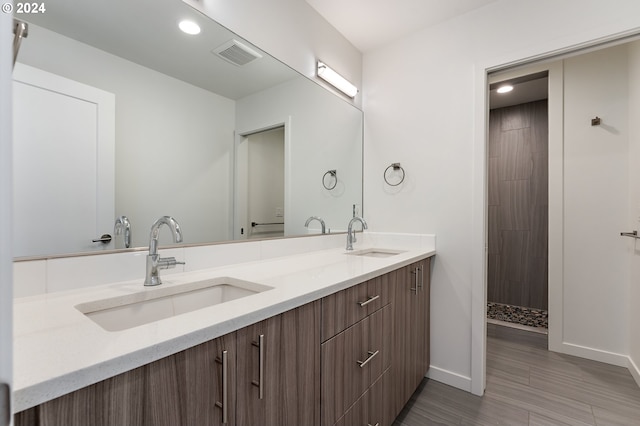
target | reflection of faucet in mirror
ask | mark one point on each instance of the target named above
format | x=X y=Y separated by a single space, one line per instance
x=192 y=104
x=319 y=219
x=350 y=230
x=154 y=261
x=122 y=223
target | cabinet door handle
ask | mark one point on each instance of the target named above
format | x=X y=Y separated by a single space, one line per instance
x=421 y=286
x=259 y=384
x=415 y=288
x=369 y=358
x=377 y=424
x=369 y=300
x=225 y=395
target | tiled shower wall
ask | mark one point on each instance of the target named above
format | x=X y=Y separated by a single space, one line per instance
x=518 y=205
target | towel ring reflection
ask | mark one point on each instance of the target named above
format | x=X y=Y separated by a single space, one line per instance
x=395 y=166
x=335 y=179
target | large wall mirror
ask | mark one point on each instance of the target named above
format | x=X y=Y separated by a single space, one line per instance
x=119 y=113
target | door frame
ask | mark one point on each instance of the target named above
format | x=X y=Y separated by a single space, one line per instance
x=479 y=237
x=238 y=218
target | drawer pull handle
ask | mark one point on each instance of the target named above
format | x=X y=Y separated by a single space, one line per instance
x=225 y=398
x=377 y=424
x=369 y=358
x=369 y=300
x=259 y=383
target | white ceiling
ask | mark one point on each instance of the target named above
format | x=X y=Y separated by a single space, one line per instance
x=146 y=32
x=369 y=24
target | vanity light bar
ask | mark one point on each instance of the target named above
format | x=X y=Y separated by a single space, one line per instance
x=336 y=80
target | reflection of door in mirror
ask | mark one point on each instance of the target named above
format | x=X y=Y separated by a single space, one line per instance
x=63 y=157
x=265 y=184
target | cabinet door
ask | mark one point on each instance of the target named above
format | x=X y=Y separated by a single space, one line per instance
x=206 y=380
x=190 y=388
x=402 y=336
x=115 y=401
x=278 y=369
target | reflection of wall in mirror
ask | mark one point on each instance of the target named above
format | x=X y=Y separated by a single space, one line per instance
x=173 y=140
x=325 y=134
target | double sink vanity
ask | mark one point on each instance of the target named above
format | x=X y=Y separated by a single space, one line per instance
x=319 y=338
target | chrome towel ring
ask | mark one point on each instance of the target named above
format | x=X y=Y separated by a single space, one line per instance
x=333 y=173
x=395 y=166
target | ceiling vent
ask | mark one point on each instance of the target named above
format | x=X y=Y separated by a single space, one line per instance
x=237 y=53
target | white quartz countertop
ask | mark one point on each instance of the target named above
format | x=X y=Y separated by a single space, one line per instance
x=57 y=349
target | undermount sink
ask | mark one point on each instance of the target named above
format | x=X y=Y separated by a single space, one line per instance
x=376 y=252
x=124 y=312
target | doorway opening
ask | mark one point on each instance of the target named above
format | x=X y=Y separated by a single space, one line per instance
x=517 y=250
x=260 y=189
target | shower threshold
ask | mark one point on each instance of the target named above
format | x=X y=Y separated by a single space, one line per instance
x=518 y=317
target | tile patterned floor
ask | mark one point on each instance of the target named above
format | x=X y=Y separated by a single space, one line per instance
x=530 y=386
x=518 y=315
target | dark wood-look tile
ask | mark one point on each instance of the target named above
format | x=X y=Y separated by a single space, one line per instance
x=514 y=214
x=518 y=201
x=515 y=155
x=516 y=117
x=528 y=385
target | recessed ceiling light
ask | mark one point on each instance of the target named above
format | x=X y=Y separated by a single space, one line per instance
x=189 y=27
x=505 y=89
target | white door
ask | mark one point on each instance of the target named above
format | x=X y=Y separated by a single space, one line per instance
x=63 y=159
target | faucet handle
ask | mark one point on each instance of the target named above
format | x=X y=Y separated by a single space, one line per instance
x=168 y=262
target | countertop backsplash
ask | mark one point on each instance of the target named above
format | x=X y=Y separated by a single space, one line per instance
x=35 y=277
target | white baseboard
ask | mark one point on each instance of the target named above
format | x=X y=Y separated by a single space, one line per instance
x=593 y=354
x=449 y=378
x=634 y=370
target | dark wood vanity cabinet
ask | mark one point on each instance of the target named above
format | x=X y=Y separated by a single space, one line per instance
x=353 y=357
x=410 y=331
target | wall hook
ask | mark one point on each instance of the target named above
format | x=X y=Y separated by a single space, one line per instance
x=596 y=121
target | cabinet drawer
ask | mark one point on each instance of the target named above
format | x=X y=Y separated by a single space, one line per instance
x=370 y=408
x=343 y=309
x=352 y=360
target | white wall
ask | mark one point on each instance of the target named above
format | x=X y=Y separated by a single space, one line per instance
x=174 y=141
x=424 y=104
x=633 y=246
x=6 y=256
x=290 y=30
x=323 y=133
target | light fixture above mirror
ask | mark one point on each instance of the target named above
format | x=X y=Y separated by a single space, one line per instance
x=336 y=80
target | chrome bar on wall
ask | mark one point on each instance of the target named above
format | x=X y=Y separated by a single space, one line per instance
x=20 y=31
x=632 y=234
x=254 y=224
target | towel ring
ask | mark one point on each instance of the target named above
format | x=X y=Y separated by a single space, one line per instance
x=395 y=166
x=335 y=179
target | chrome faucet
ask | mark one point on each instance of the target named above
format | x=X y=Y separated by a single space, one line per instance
x=123 y=224
x=154 y=261
x=350 y=231
x=319 y=219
